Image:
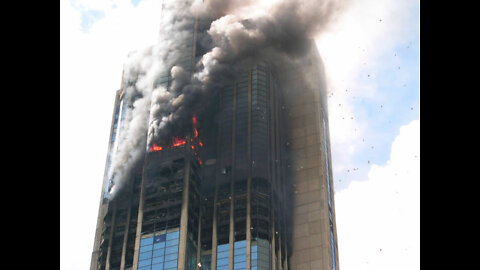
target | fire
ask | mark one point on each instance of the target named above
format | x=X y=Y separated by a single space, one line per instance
x=178 y=141
x=155 y=148
x=194 y=120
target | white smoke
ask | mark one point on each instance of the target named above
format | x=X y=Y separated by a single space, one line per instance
x=141 y=72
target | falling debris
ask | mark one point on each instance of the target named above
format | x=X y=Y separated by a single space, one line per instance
x=369 y=162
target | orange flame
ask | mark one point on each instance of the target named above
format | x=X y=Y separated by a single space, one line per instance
x=155 y=148
x=178 y=141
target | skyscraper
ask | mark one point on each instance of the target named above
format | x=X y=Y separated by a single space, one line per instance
x=248 y=187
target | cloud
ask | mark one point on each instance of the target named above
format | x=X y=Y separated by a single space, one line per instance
x=354 y=49
x=384 y=211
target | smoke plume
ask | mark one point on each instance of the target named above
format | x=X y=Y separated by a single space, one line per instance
x=231 y=34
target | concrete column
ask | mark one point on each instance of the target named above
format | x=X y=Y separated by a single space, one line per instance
x=272 y=167
x=214 y=231
x=231 y=238
x=273 y=239
x=279 y=257
x=279 y=176
x=127 y=227
x=215 y=196
x=199 y=238
x=249 y=173
x=284 y=234
x=138 y=235
x=182 y=245
x=112 y=229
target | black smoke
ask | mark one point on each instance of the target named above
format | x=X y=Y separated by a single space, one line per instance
x=231 y=35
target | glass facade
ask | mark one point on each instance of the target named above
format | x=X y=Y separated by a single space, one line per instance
x=261 y=255
x=332 y=238
x=119 y=112
x=240 y=255
x=206 y=262
x=191 y=258
x=159 y=251
x=260 y=111
x=325 y=146
x=222 y=256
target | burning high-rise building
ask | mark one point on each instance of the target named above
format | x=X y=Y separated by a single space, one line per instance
x=223 y=165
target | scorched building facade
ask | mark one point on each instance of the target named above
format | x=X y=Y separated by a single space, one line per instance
x=249 y=188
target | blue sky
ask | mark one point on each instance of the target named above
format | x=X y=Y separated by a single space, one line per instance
x=382 y=95
x=395 y=104
x=96 y=36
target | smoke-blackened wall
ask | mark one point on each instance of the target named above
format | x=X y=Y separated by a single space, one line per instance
x=229 y=36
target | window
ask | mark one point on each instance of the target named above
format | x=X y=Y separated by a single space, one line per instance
x=157 y=266
x=261 y=255
x=326 y=163
x=145 y=255
x=222 y=256
x=159 y=251
x=333 y=249
x=240 y=255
